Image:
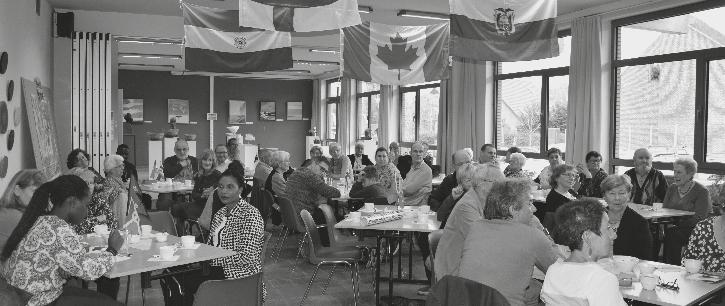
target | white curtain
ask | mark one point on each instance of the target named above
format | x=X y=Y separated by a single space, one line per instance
x=346 y=110
x=318 y=107
x=462 y=110
x=389 y=114
x=587 y=110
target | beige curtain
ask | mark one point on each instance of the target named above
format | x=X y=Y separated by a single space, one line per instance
x=462 y=112
x=318 y=107
x=587 y=109
x=346 y=110
x=389 y=115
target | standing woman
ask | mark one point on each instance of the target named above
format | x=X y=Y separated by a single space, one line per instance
x=44 y=250
x=16 y=198
x=389 y=174
x=237 y=226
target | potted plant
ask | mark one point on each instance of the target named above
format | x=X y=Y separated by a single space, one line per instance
x=173 y=131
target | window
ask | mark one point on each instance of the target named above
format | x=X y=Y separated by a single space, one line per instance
x=531 y=103
x=368 y=106
x=669 y=85
x=419 y=115
x=333 y=99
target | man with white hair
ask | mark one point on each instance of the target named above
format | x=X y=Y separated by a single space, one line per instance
x=181 y=166
x=339 y=164
x=359 y=160
x=437 y=196
x=417 y=184
x=648 y=184
x=262 y=170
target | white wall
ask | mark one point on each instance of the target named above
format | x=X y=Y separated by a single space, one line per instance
x=26 y=37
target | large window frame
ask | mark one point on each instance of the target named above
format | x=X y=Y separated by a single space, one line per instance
x=701 y=57
x=416 y=117
x=545 y=75
x=366 y=97
x=330 y=100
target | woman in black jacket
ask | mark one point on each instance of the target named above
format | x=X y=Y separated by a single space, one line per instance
x=633 y=235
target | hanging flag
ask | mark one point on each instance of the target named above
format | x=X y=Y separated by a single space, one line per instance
x=298 y=15
x=133 y=223
x=503 y=30
x=395 y=55
x=214 y=42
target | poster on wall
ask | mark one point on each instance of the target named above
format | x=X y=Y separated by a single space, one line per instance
x=267 y=110
x=134 y=109
x=179 y=109
x=294 y=110
x=237 y=112
x=42 y=127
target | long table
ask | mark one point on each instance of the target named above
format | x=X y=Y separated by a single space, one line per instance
x=392 y=230
x=691 y=292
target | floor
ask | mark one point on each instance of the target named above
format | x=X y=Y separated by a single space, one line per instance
x=286 y=287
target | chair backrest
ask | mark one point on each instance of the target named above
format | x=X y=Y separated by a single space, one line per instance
x=312 y=234
x=454 y=290
x=266 y=198
x=267 y=236
x=289 y=216
x=433 y=238
x=161 y=221
x=330 y=222
x=381 y=201
x=230 y=291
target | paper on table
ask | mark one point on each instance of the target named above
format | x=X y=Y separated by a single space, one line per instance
x=173 y=258
x=143 y=245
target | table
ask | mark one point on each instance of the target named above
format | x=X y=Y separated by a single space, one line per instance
x=391 y=230
x=166 y=188
x=649 y=213
x=691 y=291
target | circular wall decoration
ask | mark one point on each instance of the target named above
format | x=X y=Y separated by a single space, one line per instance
x=10 y=90
x=3 y=62
x=11 y=139
x=3 y=117
x=4 y=167
x=16 y=116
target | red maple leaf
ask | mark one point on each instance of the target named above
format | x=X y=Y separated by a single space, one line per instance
x=398 y=55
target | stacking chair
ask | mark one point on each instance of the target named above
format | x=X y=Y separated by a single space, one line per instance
x=290 y=222
x=319 y=255
x=162 y=221
x=267 y=236
x=454 y=290
x=230 y=292
x=433 y=238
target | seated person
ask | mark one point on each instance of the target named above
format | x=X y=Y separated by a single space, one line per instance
x=181 y=166
x=339 y=164
x=107 y=206
x=205 y=182
x=554 y=157
x=488 y=154
x=707 y=243
x=276 y=183
x=591 y=176
x=15 y=200
x=389 y=176
x=262 y=170
x=684 y=194
x=562 y=179
x=465 y=183
x=517 y=161
x=306 y=189
x=649 y=184
x=359 y=160
x=129 y=169
x=221 y=153
x=417 y=184
x=237 y=226
x=79 y=158
x=502 y=250
x=449 y=182
x=368 y=186
x=583 y=226
x=509 y=151
x=633 y=235
x=53 y=209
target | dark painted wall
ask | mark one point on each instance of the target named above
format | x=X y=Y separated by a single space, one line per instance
x=156 y=87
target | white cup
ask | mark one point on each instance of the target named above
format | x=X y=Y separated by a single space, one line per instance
x=649 y=281
x=656 y=206
x=166 y=252
x=355 y=215
x=424 y=209
x=188 y=241
x=369 y=207
x=645 y=268
x=169 y=181
x=101 y=229
x=134 y=238
x=693 y=265
x=187 y=182
x=161 y=237
x=146 y=229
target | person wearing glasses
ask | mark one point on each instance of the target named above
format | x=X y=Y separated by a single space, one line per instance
x=306 y=187
x=554 y=157
x=562 y=179
x=591 y=175
x=221 y=152
x=633 y=235
x=439 y=195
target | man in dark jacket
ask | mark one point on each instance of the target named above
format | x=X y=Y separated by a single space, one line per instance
x=368 y=186
x=181 y=166
x=359 y=160
x=437 y=196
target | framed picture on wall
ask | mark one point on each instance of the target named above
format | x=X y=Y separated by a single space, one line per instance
x=179 y=109
x=294 y=110
x=134 y=108
x=267 y=110
x=237 y=112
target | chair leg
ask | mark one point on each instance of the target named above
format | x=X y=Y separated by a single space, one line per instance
x=280 y=242
x=299 y=250
x=128 y=287
x=309 y=285
x=329 y=278
x=355 y=283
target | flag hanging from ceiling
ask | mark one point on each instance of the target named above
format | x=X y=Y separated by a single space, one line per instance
x=214 y=42
x=395 y=55
x=298 y=15
x=503 y=30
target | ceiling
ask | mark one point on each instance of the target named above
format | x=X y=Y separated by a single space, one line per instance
x=384 y=11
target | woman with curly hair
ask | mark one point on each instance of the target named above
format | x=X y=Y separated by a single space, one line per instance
x=79 y=158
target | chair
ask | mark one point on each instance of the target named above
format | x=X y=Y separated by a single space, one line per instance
x=267 y=236
x=161 y=221
x=290 y=222
x=266 y=201
x=319 y=255
x=230 y=291
x=330 y=222
x=454 y=290
x=433 y=238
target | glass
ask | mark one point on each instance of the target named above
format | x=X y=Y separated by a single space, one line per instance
x=333 y=89
x=374 y=115
x=367 y=87
x=716 y=112
x=362 y=116
x=554 y=62
x=519 y=119
x=656 y=110
x=428 y=121
x=407 y=117
x=558 y=111
x=332 y=121
x=693 y=31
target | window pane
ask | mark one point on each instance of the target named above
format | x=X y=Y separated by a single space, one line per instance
x=407 y=117
x=558 y=99
x=332 y=121
x=694 y=31
x=429 y=101
x=362 y=116
x=367 y=86
x=519 y=118
x=374 y=115
x=333 y=89
x=656 y=110
x=716 y=112
x=554 y=62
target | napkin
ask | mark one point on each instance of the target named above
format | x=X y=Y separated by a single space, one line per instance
x=381 y=217
x=158 y=258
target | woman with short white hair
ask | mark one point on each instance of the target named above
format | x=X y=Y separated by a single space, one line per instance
x=517 y=161
x=276 y=183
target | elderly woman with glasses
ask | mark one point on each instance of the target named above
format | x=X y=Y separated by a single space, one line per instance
x=591 y=175
x=388 y=175
x=563 y=177
x=633 y=235
x=502 y=250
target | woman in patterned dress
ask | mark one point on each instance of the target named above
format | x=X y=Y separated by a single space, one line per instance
x=237 y=226
x=44 y=250
x=390 y=177
x=108 y=205
x=707 y=242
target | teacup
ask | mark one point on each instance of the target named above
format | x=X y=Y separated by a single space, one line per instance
x=649 y=281
x=187 y=182
x=146 y=230
x=167 y=252
x=424 y=209
x=656 y=206
x=645 y=268
x=101 y=229
x=693 y=265
x=369 y=207
x=355 y=215
x=161 y=237
x=188 y=241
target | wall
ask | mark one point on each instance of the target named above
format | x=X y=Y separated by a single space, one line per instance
x=156 y=87
x=26 y=37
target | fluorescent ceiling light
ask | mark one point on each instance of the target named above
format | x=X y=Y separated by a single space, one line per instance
x=323 y=50
x=421 y=14
x=150 y=56
x=149 y=40
x=144 y=65
x=364 y=9
x=296 y=70
x=305 y=62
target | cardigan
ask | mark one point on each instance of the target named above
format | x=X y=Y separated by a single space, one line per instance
x=633 y=236
x=555 y=199
x=173 y=168
x=304 y=189
x=591 y=187
x=369 y=193
x=653 y=189
x=696 y=200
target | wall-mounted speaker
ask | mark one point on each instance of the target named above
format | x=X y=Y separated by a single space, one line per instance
x=64 y=24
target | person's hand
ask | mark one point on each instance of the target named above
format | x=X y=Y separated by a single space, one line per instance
x=115 y=240
x=583 y=170
x=207 y=192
